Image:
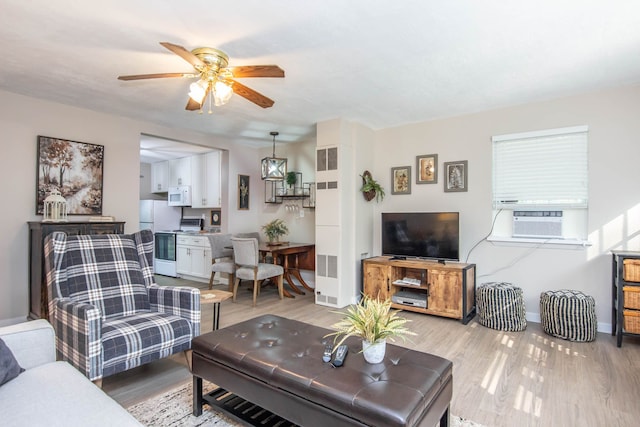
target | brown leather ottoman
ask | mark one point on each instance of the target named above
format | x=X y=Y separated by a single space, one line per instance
x=276 y=363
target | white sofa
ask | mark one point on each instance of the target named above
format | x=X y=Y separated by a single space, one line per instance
x=50 y=393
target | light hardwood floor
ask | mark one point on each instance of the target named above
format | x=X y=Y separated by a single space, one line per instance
x=500 y=378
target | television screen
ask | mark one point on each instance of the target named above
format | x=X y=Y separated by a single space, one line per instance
x=421 y=234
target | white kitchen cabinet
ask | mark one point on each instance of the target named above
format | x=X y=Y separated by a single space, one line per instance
x=193 y=256
x=183 y=259
x=180 y=172
x=206 y=180
x=160 y=177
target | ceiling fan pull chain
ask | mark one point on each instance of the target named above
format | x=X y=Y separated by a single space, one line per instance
x=210 y=96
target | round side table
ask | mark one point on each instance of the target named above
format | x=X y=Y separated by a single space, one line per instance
x=214 y=297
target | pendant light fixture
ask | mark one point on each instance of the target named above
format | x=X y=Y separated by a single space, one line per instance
x=274 y=168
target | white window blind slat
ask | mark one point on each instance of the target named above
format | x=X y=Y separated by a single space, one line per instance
x=547 y=169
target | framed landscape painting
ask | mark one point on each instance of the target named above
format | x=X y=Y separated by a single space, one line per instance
x=75 y=170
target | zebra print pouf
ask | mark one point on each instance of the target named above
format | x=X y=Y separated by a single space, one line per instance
x=501 y=306
x=568 y=314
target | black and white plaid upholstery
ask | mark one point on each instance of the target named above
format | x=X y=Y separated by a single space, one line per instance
x=108 y=314
x=105 y=271
x=569 y=314
x=501 y=306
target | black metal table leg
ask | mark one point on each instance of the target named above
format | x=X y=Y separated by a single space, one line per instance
x=197 y=396
x=216 y=315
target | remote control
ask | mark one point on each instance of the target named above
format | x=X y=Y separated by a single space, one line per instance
x=326 y=356
x=341 y=353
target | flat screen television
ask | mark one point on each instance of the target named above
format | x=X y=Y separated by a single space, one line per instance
x=421 y=234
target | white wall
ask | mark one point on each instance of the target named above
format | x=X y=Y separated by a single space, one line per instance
x=300 y=158
x=22 y=119
x=614 y=198
x=614 y=213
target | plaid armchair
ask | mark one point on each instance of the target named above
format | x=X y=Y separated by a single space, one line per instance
x=108 y=314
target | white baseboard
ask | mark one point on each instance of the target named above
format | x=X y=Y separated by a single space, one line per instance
x=14 y=321
x=194 y=278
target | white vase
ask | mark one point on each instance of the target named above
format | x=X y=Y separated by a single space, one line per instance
x=374 y=353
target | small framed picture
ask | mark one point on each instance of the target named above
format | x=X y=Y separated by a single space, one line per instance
x=216 y=217
x=401 y=180
x=243 y=192
x=427 y=169
x=455 y=174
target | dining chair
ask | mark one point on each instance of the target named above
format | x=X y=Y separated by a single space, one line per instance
x=222 y=257
x=256 y=235
x=250 y=234
x=248 y=266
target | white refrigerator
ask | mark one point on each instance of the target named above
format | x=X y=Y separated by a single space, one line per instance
x=157 y=215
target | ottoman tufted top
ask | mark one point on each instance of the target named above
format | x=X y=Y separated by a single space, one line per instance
x=287 y=354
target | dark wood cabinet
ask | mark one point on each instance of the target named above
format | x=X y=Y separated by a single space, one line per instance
x=38 y=301
x=625 y=288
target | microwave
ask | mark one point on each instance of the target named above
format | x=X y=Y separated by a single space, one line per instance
x=179 y=196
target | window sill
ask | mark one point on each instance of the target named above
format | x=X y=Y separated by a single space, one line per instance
x=531 y=241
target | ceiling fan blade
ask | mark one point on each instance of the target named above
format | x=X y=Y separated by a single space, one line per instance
x=256 y=71
x=184 y=54
x=156 y=76
x=251 y=95
x=192 y=105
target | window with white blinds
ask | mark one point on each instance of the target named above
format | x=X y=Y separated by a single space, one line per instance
x=541 y=169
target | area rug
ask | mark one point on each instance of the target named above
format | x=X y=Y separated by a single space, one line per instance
x=173 y=409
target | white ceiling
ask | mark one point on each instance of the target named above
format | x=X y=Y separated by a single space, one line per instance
x=154 y=149
x=379 y=63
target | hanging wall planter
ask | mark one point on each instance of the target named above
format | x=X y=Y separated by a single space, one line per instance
x=370 y=188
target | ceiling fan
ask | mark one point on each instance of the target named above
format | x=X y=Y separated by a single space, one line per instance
x=216 y=80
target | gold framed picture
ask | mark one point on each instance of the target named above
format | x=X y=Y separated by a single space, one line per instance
x=427 y=169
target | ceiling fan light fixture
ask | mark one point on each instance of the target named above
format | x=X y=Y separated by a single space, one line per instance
x=274 y=168
x=197 y=90
x=222 y=93
x=215 y=78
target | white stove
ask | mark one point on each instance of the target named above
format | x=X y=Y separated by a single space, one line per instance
x=164 y=261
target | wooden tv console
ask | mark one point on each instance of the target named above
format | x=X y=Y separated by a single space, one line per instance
x=450 y=287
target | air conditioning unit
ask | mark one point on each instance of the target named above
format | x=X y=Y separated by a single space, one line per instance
x=537 y=224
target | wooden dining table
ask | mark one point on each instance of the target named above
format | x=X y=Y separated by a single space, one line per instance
x=293 y=257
